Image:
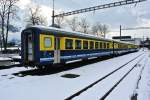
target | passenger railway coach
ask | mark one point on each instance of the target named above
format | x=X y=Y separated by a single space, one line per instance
x=42 y=46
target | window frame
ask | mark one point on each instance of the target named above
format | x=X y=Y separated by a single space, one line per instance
x=86 y=43
x=96 y=45
x=104 y=44
x=45 y=42
x=100 y=45
x=77 y=46
x=107 y=45
x=91 y=44
x=71 y=47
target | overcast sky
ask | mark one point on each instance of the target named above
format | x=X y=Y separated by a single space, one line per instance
x=127 y=16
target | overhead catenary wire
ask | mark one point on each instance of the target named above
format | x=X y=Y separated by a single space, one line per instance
x=104 y=6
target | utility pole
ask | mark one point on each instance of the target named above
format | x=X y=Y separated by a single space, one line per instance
x=143 y=42
x=120 y=32
x=0 y=43
x=53 y=15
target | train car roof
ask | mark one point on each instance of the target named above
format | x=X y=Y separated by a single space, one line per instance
x=58 y=31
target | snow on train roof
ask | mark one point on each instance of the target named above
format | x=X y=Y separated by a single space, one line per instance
x=68 y=32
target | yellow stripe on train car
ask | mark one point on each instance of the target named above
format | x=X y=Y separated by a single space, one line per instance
x=62 y=43
x=42 y=41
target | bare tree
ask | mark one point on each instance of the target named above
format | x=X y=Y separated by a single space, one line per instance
x=35 y=16
x=73 y=23
x=3 y=12
x=12 y=9
x=0 y=37
x=105 y=30
x=59 y=21
x=0 y=42
x=84 y=25
x=7 y=10
x=99 y=29
x=95 y=29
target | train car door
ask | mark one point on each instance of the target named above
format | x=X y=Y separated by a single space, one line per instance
x=30 y=48
x=57 y=50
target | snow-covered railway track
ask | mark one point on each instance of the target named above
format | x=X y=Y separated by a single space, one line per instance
x=111 y=89
x=79 y=93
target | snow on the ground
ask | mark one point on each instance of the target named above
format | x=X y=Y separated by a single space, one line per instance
x=144 y=85
x=5 y=61
x=6 y=75
x=4 y=58
x=16 y=57
x=97 y=91
x=127 y=87
x=8 y=60
x=12 y=48
x=54 y=87
x=8 y=55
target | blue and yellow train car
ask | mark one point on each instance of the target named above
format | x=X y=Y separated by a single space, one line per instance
x=42 y=46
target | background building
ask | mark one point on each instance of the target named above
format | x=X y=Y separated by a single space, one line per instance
x=128 y=39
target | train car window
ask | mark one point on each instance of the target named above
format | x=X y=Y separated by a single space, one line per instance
x=96 y=45
x=85 y=44
x=69 y=44
x=47 y=42
x=118 y=45
x=77 y=44
x=104 y=45
x=107 y=45
x=100 y=45
x=91 y=45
